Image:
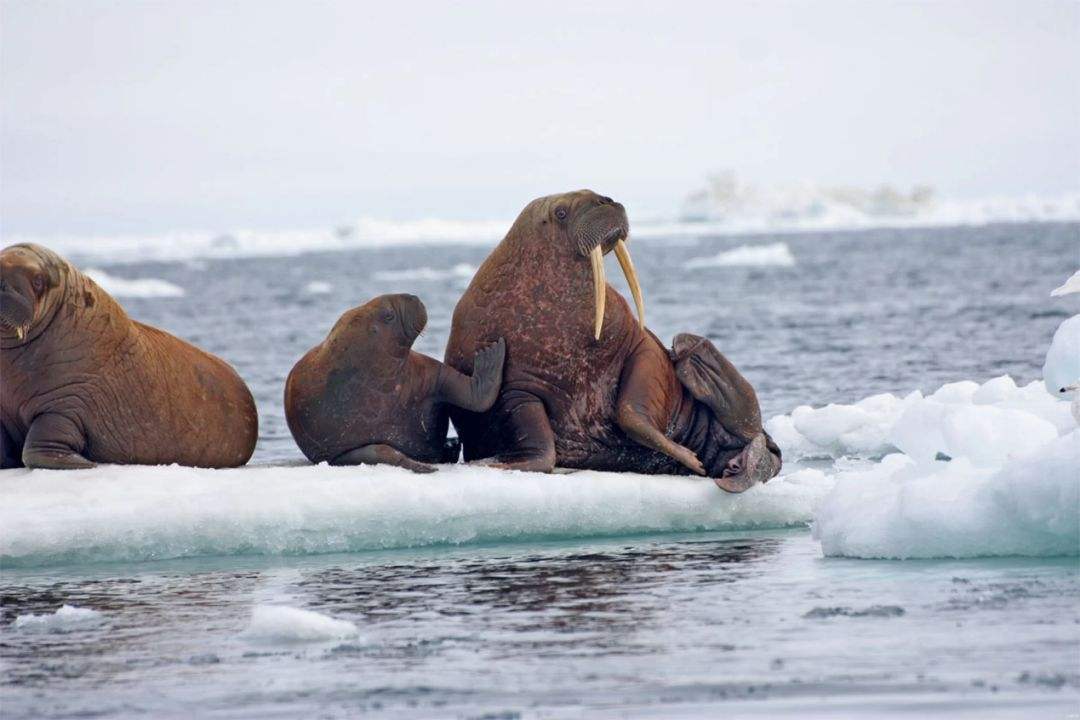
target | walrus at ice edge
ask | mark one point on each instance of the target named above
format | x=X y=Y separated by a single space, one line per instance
x=586 y=385
x=83 y=383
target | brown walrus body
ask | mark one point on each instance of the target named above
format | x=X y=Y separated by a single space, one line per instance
x=82 y=383
x=362 y=396
x=585 y=385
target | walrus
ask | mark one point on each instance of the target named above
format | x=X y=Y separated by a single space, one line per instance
x=363 y=396
x=82 y=383
x=585 y=384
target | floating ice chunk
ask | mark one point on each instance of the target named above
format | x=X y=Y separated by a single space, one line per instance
x=133 y=513
x=137 y=288
x=66 y=619
x=1062 y=366
x=318 y=287
x=1072 y=285
x=282 y=624
x=958 y=392
x=837 y=430
x=776 y=254
x=917 y=425
x=901 y=509
x=461 y=270
x=987 y=435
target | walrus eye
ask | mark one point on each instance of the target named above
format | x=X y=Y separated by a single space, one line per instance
x=387 y=316
x=38 y=282
x=560 y=212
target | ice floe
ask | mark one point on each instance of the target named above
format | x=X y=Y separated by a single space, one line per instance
x=284 y=624
x=971 y=470
x=318 y=287
x=67 y=618
x=775 y=254
x=134 y=288
x=901 y=508
x=144 y=513
x=984 y=422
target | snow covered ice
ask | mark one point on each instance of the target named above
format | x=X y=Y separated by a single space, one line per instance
x=969 y=471
x=132 y=513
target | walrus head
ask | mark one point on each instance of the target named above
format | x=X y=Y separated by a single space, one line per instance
x=388 y=324
x=29 y=275
x=591 y=225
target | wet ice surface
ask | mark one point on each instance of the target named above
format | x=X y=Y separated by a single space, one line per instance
x=662 y=626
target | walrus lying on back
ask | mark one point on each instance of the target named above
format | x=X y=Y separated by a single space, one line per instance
x=362 y=396
x=83 y=383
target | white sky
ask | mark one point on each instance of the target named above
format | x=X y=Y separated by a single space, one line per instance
x=135 y=116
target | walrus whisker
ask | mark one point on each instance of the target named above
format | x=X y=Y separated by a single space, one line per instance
x=599 y=287
x=623 y=253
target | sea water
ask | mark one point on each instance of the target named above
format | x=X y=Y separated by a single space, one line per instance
x=288 y=590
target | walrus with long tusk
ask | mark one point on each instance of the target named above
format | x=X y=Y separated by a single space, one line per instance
x=82 y=383
x=363 y=396
x=586 y=385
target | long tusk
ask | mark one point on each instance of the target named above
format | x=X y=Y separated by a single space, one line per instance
x=599 y=287
x=623 y=253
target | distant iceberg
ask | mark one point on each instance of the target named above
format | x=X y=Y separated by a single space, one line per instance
x=134 y=288
x=733 y=209
x=727 y=202
x=774 y=254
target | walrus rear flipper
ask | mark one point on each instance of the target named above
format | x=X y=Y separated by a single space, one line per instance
x=381 y=455
x=713 y=381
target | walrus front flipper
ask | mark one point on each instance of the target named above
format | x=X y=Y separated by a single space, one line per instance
x=381 y=455
x=641 y=406
x=54 y=442
x=528 y=434
x=479 y=392
x=713 y=380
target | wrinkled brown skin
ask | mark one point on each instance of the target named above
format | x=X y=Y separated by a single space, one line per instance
x=87 y=384
x=620 y=403
x=363 y=396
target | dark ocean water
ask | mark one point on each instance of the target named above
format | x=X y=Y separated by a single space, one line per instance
x=736 y=624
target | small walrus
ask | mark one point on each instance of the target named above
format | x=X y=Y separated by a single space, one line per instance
x=586 y=385
x=363 y=396
x=83 y=383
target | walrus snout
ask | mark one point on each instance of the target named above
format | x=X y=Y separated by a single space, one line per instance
x=600 y=227
x=412 y=314
x=758 y=462
x=21 y=284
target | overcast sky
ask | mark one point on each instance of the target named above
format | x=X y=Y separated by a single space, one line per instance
x=142 y=117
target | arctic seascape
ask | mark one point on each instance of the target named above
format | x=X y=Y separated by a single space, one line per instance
x=899 y=369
